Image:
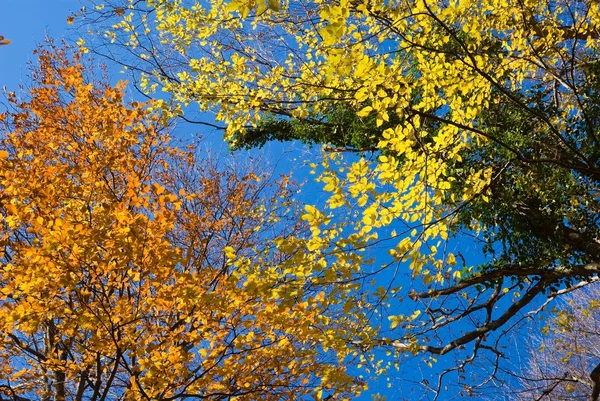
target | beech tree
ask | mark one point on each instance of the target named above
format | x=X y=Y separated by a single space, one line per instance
x=133 y=269
x=481 y=119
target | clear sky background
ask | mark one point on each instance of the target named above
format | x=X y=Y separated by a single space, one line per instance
x=26 y=23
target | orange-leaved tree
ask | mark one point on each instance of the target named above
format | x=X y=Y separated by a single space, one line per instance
x=132 y=269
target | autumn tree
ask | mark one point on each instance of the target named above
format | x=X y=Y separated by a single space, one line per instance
x=133 y=269
x=482 y=119
x=561 y=362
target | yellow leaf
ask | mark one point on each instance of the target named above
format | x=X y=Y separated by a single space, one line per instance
x=365 y=111
x=274 y=5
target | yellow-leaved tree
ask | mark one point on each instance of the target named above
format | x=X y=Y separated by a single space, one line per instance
x=469 y=120
x=132 y=269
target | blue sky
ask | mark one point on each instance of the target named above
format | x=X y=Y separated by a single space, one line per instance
x=26 y=23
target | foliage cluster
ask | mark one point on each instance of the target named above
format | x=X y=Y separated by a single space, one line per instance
x=462 y=120
x=133 y=269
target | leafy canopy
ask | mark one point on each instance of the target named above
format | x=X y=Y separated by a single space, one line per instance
x=483 y=118
x=132 y=269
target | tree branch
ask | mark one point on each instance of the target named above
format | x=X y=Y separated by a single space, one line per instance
x=595 y=376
